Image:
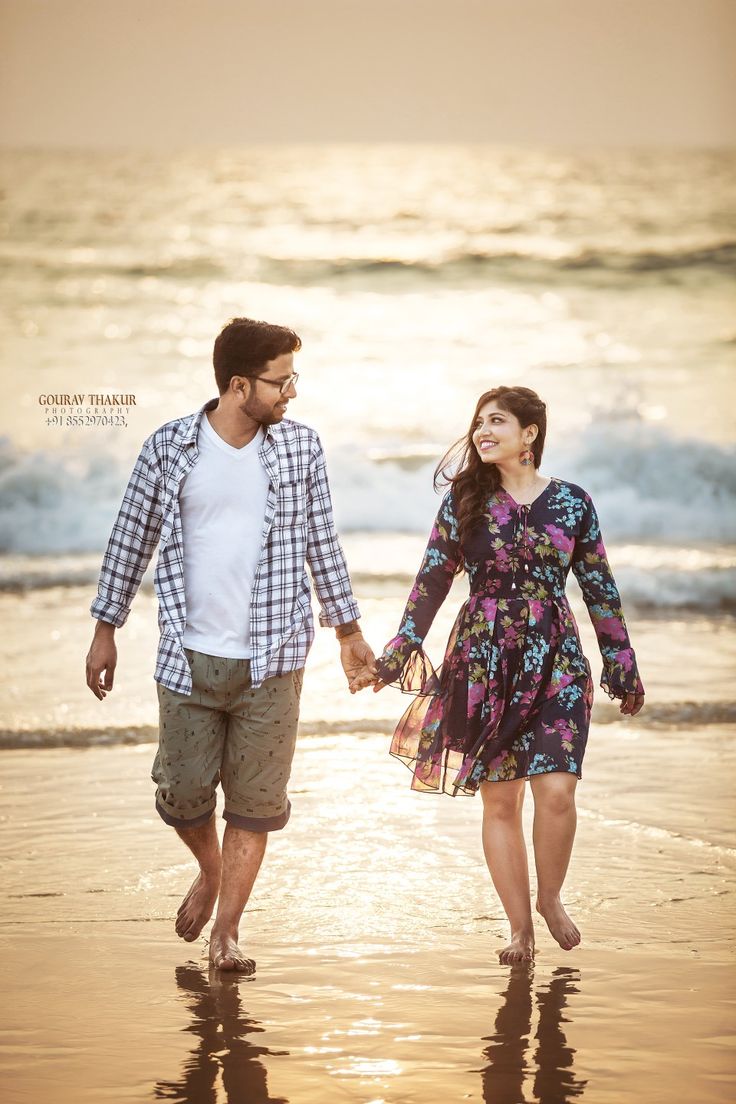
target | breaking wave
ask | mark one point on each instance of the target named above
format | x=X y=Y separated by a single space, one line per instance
x=672 y=500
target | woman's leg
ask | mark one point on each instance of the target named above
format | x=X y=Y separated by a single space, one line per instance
x=505 y=852
x=555 y=820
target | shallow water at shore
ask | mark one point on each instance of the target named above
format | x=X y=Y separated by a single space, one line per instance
x=687 y=658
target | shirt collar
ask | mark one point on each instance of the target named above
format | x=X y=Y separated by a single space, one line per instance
x=190 y=436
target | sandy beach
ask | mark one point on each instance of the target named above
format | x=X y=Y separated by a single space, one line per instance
x=373 y=923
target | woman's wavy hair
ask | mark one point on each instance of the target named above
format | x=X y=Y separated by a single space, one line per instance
x=472 y=481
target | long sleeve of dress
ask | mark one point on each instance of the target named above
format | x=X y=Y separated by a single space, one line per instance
x=589 y=563
x=403 y=659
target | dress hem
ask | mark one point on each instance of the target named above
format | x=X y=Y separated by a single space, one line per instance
x=462 y=791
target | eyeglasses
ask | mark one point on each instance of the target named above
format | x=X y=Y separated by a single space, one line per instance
x=283 y=385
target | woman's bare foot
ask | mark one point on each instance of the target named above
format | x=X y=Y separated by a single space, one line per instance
x=520 y=949
x=198 y=905
x=225 y=954
x=559 y=923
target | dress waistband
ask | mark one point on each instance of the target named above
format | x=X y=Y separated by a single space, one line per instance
x=519 y=594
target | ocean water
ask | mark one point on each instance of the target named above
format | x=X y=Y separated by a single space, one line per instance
x=417 y=278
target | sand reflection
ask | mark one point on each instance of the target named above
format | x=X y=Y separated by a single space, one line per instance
x=223 y=1064
x=509 y=1063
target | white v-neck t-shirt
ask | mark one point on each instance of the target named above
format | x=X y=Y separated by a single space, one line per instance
x=223 y=506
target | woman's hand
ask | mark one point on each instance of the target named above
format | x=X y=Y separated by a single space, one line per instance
x=632 y=704
x=377 y=684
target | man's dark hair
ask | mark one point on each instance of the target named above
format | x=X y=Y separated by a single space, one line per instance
x=243 y=347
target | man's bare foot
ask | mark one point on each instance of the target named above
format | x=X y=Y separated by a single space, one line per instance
x=559 y=923
x=520 y=949
x=225 y=954
x=198 y=905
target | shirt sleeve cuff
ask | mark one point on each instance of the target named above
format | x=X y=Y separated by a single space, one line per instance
x=103 y=609
x=339 y=613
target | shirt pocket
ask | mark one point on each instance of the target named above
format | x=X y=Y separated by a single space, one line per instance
x=291 y=506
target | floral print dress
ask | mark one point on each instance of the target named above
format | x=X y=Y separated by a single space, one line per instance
x=514 y=694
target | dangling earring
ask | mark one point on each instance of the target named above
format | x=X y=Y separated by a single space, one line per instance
x=526 y=457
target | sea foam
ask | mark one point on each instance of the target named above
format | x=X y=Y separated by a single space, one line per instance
x=651 y=487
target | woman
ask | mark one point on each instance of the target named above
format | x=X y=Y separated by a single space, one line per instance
x=513 y=698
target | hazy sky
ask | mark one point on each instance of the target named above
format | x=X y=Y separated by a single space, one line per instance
x=214 y=72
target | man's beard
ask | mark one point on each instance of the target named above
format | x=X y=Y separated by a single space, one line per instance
x=259 y=413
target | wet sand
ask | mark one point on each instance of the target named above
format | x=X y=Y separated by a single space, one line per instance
x=375 y=931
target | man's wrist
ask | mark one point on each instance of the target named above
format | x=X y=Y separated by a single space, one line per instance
x=104 y=627
x=352 y=628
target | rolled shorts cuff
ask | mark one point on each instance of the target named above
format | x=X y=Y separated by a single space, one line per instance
x=259 y=824
x=184 y=822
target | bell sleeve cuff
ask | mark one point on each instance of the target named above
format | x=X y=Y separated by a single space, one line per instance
x=620 y=675
x=408 y=668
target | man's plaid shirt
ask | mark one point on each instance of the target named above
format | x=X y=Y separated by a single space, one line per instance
x=298 y=528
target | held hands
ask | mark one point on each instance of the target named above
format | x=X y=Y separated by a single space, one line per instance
x=357 y=660
x=359 y=664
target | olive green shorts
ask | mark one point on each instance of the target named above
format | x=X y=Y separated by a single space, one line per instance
x=226 y=731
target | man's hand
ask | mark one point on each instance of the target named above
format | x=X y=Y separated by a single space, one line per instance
x=357 y=661
x=102 y=656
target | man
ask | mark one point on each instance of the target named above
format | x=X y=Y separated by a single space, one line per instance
x=236 y=498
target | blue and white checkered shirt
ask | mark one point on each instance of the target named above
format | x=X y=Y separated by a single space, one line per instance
x=298 y=529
